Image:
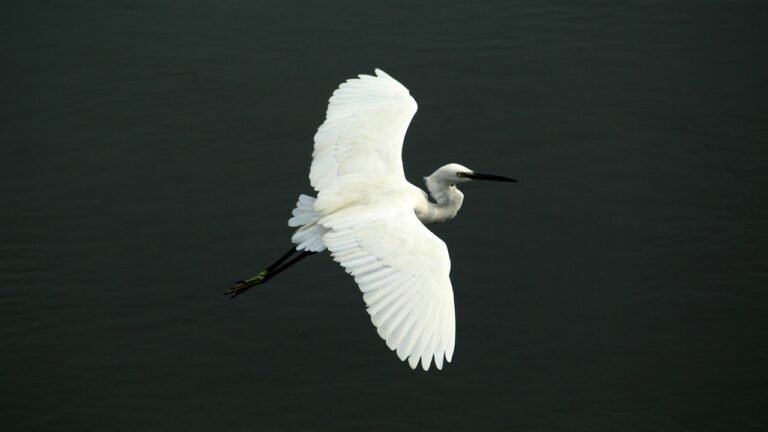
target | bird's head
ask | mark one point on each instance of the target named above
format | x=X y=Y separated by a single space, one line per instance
x=454 y=173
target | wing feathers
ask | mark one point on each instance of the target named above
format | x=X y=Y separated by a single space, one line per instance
x=409 y=317
x=402 y=270
x=400 y=266
x=363 y=131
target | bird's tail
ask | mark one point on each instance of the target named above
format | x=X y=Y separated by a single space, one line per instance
x=309 y=236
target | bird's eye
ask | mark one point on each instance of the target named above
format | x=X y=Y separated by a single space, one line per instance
x=460 y=174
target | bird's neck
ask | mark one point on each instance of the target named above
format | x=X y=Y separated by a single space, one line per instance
x=448 y=200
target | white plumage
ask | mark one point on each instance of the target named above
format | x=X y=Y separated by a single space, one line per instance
x=371 y=219
x=399 y=265
x=363 y=131
x=402 y=270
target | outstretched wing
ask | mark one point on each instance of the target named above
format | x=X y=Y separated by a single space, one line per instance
x=402 y=270
x=363 y=130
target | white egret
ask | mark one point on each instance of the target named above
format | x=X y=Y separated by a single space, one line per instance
x=371 y=219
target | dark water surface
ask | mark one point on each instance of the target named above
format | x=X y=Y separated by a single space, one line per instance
x=150 y=153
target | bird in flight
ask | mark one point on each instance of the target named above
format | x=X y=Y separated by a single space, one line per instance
x=372 y=219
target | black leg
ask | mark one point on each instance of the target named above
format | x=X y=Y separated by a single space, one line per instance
x=301 y=256
x=273 y=270
x=282 y=259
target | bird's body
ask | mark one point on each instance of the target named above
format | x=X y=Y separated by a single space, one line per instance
x=371 y=218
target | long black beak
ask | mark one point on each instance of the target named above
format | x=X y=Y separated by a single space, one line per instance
x=481 y=176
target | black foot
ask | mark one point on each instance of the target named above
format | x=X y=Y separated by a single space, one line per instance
x=244 y=285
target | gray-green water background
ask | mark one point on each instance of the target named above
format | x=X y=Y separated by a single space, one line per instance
x=151 y=151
